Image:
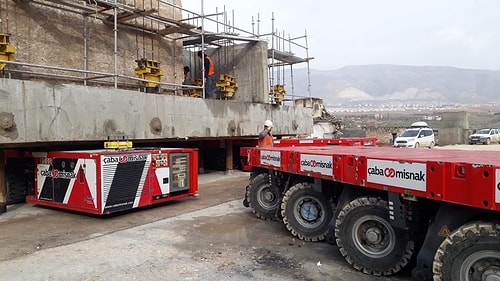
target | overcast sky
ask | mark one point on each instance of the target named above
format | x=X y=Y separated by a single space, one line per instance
x=458 y=33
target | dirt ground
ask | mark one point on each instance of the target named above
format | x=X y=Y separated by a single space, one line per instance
x=211 y=237
x=25 y=229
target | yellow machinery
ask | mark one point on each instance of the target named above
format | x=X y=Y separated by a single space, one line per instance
x=149 y=70
x=278 y=93
x=227 y=86
x=195 y=93
x=7 y=51
x=118 y=144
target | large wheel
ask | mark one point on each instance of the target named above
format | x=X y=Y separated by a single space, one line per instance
x=263 y=198
x=417 y=145
x=488 y=141
x=368 y=241
x=16 y=188
x=470 y=253
x=306 y=213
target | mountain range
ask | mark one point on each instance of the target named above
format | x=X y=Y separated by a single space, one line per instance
x=377 y=84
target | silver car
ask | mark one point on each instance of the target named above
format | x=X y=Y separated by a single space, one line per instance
x=485 y=136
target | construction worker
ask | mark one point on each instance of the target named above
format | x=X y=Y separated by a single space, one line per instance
x=209 y=75
x=265 y=136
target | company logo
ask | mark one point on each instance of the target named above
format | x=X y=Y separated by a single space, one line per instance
x=56 y=174
x=124 y=158
x=313 y=164
x=316 y=163
x=394 y=173
x=270 y=158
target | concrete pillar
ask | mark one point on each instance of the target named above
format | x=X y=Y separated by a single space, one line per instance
x=3 y=183
x=201 y=159
x=229 y=156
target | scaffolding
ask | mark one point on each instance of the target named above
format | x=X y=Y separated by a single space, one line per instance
x=280 y=54
x=185 y=29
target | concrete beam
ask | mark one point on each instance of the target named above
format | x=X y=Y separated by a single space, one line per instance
x=40 y=112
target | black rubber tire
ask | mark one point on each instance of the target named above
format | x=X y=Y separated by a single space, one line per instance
x=263 y=199
x=306 y=213
x=391 y=249
x=471 y=252
x=16 y=188
x=488 y=142
x=417 y=145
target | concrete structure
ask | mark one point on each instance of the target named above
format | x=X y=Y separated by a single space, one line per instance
x=34 y=112
x=247 y=62
x=454 y=128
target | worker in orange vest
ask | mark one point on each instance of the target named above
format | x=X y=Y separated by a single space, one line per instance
x=265 y=136
x=209 y=70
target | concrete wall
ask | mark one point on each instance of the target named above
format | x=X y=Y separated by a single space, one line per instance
x=449 y=136
x=41 y=112
x=454 y=128
x=246 y=62
x=315 y=103
x=54 y=37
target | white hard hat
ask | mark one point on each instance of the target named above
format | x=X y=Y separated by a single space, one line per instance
x=268 y=123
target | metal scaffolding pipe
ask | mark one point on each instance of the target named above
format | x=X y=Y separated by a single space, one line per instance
x=115 y=31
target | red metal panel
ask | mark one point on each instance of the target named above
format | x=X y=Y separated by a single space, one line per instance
x=193 y=169
x=349 y=170
x=471 y=185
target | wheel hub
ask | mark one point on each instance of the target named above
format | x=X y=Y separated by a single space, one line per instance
x=373 y=235
x=309 y=211
x=491 y=274
x=268 y=196
x=481 y=266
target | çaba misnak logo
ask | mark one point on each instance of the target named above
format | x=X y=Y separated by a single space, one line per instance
x=316 y=164
x=397 y=173
x=125 y=158
x=269 y=157
x=56 y=174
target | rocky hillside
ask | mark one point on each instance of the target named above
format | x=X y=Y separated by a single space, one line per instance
x=401 y=84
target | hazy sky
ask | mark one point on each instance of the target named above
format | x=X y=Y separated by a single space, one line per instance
x=458 y=33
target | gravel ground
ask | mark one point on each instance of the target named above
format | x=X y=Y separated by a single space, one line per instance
x=193 y=239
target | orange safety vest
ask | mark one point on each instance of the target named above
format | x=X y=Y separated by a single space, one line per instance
x=266 y=141
x=211 y=68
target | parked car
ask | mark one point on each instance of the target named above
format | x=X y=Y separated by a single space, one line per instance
x=485 y=136
x=418 y=135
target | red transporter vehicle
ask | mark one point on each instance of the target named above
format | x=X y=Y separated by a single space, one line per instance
x=384 y=207
x=108 y=181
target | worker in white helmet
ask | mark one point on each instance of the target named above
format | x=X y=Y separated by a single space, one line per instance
x=265 y=136
x=265 y=140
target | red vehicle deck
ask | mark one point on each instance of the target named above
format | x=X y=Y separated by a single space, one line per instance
x=469 y=178
x=244 y=151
